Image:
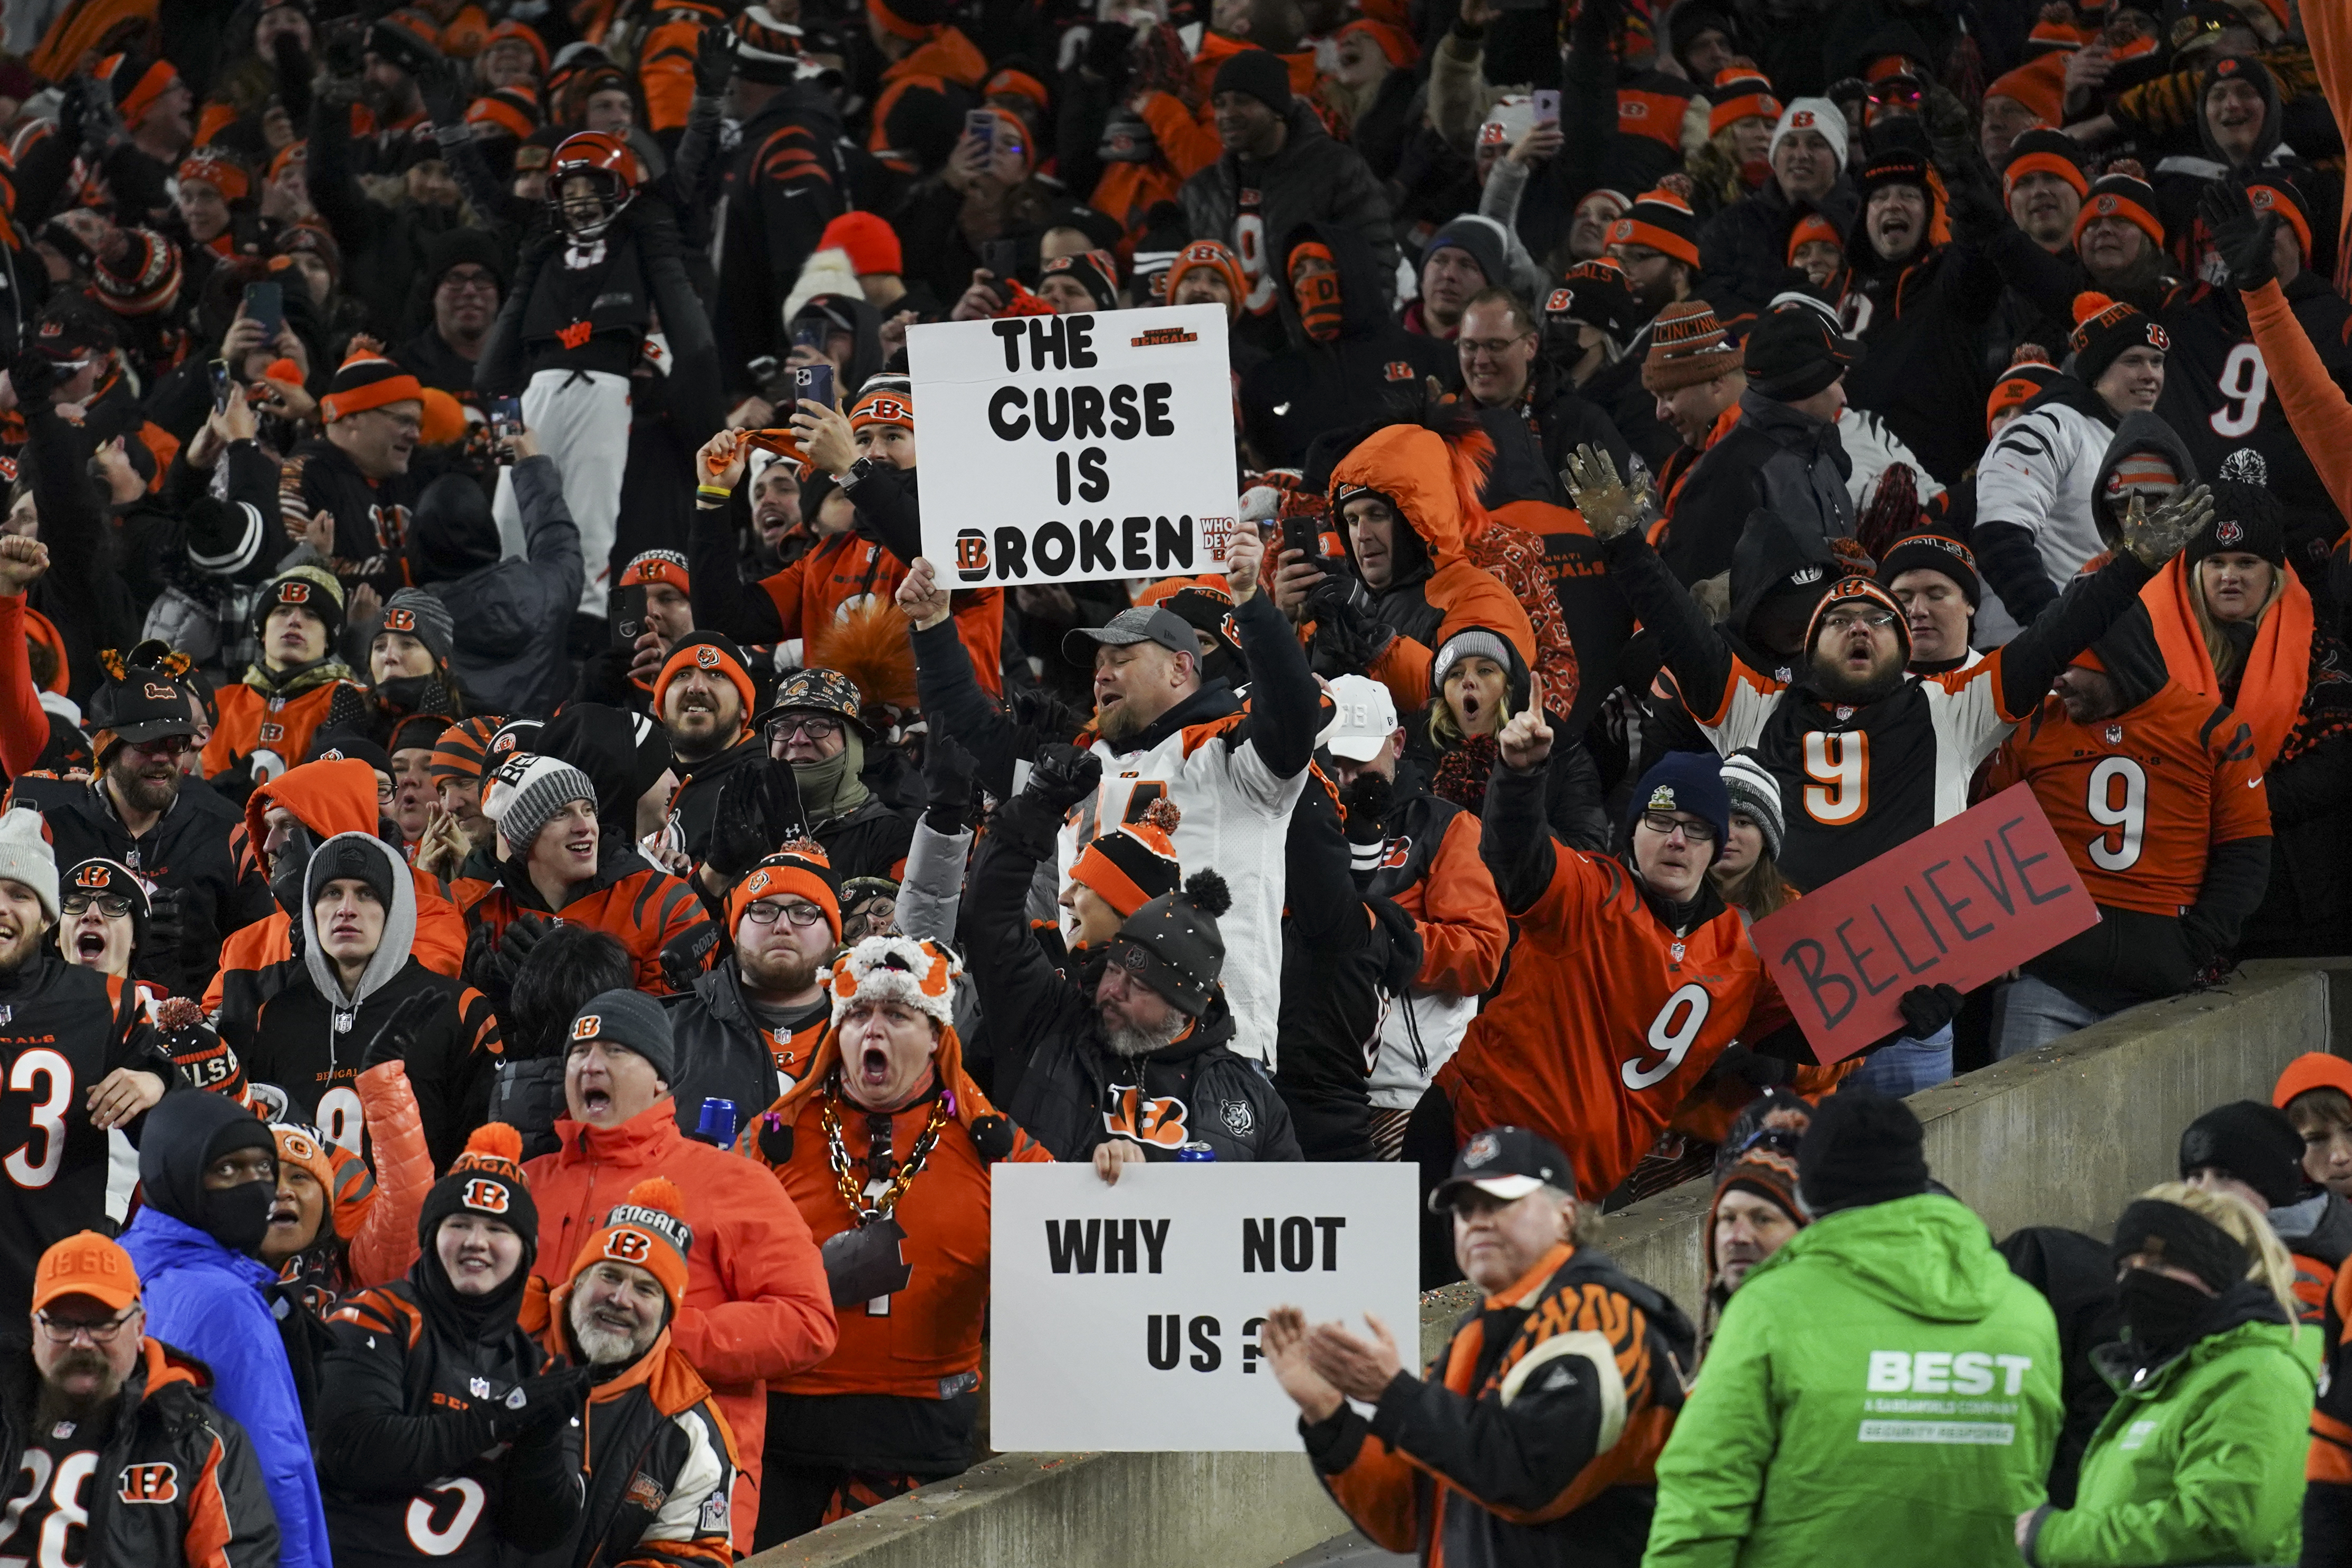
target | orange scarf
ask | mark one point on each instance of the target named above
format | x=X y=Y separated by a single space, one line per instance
x=2278 y=667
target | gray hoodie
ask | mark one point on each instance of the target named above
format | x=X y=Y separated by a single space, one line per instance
x=399 y=922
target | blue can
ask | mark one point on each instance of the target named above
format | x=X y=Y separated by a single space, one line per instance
x=718 y=1122
x=1196 y=1150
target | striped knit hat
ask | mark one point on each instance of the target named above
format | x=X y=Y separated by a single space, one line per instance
x=2104 y=330
x=368 y=378
x=2030 y=374
x=135 y=83
x=314 y=587
x=526 y=791
x=139 y=274
x=799 y=867
x=766 y=48
x=1687 y=347
x=655 y=566
x=2042 y=151
x=210 y=166
x=420 y=615
x=512 y=110
x=1664 y=222
x=486 y=1179
x=649 y=1231
x=1811 y=228
x=1741 y=92
x=2121 y=195
x=1756 y=795
x=458 y=753
x=1134 y=863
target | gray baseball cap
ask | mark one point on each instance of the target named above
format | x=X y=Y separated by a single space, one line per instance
x=1142 y=624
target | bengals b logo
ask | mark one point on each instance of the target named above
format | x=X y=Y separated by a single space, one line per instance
x=90 y=877
x=489 y=1196
x=293 y=594
x=1561 y=298
x=1157 y=1120
x=400 y=620
x=585 y=1027
x=148 y=1483
x=627 y=1247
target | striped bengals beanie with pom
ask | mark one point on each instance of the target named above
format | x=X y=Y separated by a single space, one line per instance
x=486 y=1179
x=1134 y=863
x=2105 y=331
x=647 y=1230
x=368 y=378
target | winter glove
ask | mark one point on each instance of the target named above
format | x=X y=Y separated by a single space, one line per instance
x=33 y=375
x=1611 y=506
x=1061 y=776
x=101 y=123
x=1127 y=138
x=516 y=944
x=1110 y=55
x=1365 y=801
x=1754 y=1068
x=947 y=769
x=437 y=84
x=2156 y=537
x=542 y=1401
x=396 y=1036
x=714 y=62
x=1348 y=636
x=2243 y=240
x=480 y=969
x=1927 y=1008
x=759 y=808
x=687 y=954
x=650 y=219
x=605 y=678
x=167 y=929
x=1401 y=936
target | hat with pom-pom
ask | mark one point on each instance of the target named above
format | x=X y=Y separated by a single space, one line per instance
x=2030 y=374
x=2105 y=331
x=368 y=378
x=645 y=1230
x=1172 y=944
x=2120 y=194
x=485 y=1180
x=1134 y=863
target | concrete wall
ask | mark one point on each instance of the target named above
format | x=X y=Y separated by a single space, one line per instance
x=2061 y=1137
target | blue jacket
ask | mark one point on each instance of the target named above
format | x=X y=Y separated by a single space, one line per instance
x=208 y=1302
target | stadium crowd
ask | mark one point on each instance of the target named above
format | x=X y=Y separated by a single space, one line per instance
x=462 y=592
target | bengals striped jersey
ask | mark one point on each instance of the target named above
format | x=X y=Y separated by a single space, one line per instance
x=1856 y=780
x=648 y=911
x=2139 y=798
x=1533 y=1437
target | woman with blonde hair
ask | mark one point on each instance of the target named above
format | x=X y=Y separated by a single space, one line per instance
x=2235 y=625
x=1477 y=680
x=2200 y=1460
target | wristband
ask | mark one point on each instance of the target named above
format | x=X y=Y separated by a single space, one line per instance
x=716 y=491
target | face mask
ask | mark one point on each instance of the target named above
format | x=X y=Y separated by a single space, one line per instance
x=2161 y=1313
x=238 y=1216
x=1318 y=305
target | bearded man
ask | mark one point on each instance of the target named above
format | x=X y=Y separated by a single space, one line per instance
x=746 y=1031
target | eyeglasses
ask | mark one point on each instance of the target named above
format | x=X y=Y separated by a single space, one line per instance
x=163 y=744
x=1847 y=620
x=113 y=906
x=1666 y=825
x=768 y=911
x=1492 y=347
x=479 y=282
x=815 y=726
x=384 y=788
x=99 y=1334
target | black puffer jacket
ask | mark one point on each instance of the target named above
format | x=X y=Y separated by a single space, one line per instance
x=1055 y=1076
x=184 y=1463
x=1313 y=179
x=511 y=615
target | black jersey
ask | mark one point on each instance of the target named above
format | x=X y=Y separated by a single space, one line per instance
x=63 y=1027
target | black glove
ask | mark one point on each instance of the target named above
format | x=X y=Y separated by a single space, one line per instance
x=759 y=808
x=1110 y=55
x=33 y=375
x=1061 y=776
x=1346 y=632
x=687 y=954
x=2242 y=241
x=396 y=1036
x=1975 y=211
x=1752 y=1068
x=522 y=935
x=479 y=967
x=714 y=62
x=167 y=925
x=101 y=122
x=1366 y=801
x=1926 y=1008
x=605 y=678
x=656 y=228
x=437 y=84
x=948 y=770
x=546 y=1400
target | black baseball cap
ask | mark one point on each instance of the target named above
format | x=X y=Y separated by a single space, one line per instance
x=1142 y=624
x=145 y=704
x=1507 y=1164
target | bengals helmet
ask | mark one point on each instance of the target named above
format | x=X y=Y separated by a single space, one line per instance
x=613 y=174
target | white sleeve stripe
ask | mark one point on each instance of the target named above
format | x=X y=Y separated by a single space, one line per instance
x=243 y=554
x=701 y=1478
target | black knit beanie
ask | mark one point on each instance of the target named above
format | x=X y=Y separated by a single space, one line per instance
x=1172 y=944
x=2250 y=1141
x=2247 y=518
x=1862 y=1148
x=1258 y=73
x=2183 y=1238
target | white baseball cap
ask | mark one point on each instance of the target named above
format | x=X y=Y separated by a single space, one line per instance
x=1363 y=717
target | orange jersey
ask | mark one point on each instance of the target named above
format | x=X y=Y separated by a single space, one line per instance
x=916 y=1342
x=1606 y=1021
x=251 y=722
x=2139 y=800
x=645 y=909
x=846 y=570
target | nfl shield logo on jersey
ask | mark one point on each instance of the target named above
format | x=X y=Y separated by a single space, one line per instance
x=2115 y=735
x=479 y=1389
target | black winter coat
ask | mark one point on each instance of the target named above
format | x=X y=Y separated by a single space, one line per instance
x=1743 y=251
x=1313 y=179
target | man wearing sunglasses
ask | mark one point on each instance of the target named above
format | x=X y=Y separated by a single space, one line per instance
x=136 y=813
x=99 y=1415
x=815 y=727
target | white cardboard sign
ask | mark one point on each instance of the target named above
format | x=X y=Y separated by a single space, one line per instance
x=1126 y=1317
x=1068 y=448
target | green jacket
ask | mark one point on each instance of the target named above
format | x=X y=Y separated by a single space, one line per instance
x=2202 y=1462
x=1882 y=1387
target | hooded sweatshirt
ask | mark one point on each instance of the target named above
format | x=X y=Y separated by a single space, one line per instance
x=327 y=797
x=1880 y=1381
x=214 y=1304
x=312 y=1035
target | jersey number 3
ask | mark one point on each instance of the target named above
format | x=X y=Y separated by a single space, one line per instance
x=1837 y=767
x=1671 y=1033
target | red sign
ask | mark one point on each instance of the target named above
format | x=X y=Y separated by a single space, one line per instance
x=1956 y=905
